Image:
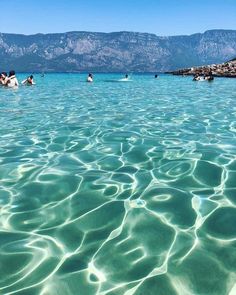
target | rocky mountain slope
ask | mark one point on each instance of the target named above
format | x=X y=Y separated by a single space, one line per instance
x=114 y=52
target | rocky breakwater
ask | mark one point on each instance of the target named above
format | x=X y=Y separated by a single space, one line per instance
x=227 y=69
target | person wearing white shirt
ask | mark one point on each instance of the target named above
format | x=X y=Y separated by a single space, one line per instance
x=90 y=78
x=12 y=81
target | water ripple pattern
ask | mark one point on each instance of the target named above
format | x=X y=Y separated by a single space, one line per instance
x=118 y=188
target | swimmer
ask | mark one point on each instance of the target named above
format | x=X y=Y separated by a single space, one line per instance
x=125 y=79
x=209 y=76
x=29 y=81
x=90 y=78
x=196 y=77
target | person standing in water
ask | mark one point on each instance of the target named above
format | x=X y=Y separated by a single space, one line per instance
x=12 y=81
x=90 y=78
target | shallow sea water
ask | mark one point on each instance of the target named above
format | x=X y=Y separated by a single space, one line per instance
x=118 y=188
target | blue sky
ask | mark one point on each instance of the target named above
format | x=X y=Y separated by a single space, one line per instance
x=161 y=17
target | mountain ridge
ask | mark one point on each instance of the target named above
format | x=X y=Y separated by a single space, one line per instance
x=123 y=31
x=122 y=51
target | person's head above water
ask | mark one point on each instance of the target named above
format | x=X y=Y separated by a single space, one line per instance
x=126 y=76
x=30 y=79
x=11 y=73
x=3 y=75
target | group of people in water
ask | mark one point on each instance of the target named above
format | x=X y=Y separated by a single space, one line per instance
x=10 y=80
x=206 y=77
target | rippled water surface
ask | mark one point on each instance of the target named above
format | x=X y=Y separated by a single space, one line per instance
x=118 y=188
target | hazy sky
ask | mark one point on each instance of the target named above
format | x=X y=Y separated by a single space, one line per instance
x=162 y=17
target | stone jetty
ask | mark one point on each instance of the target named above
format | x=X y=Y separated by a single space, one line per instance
x=227 y=69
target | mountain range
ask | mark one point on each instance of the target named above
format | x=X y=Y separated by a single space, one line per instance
x=114 y=52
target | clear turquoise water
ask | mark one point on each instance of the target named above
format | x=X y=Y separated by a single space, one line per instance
x=118 y=188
